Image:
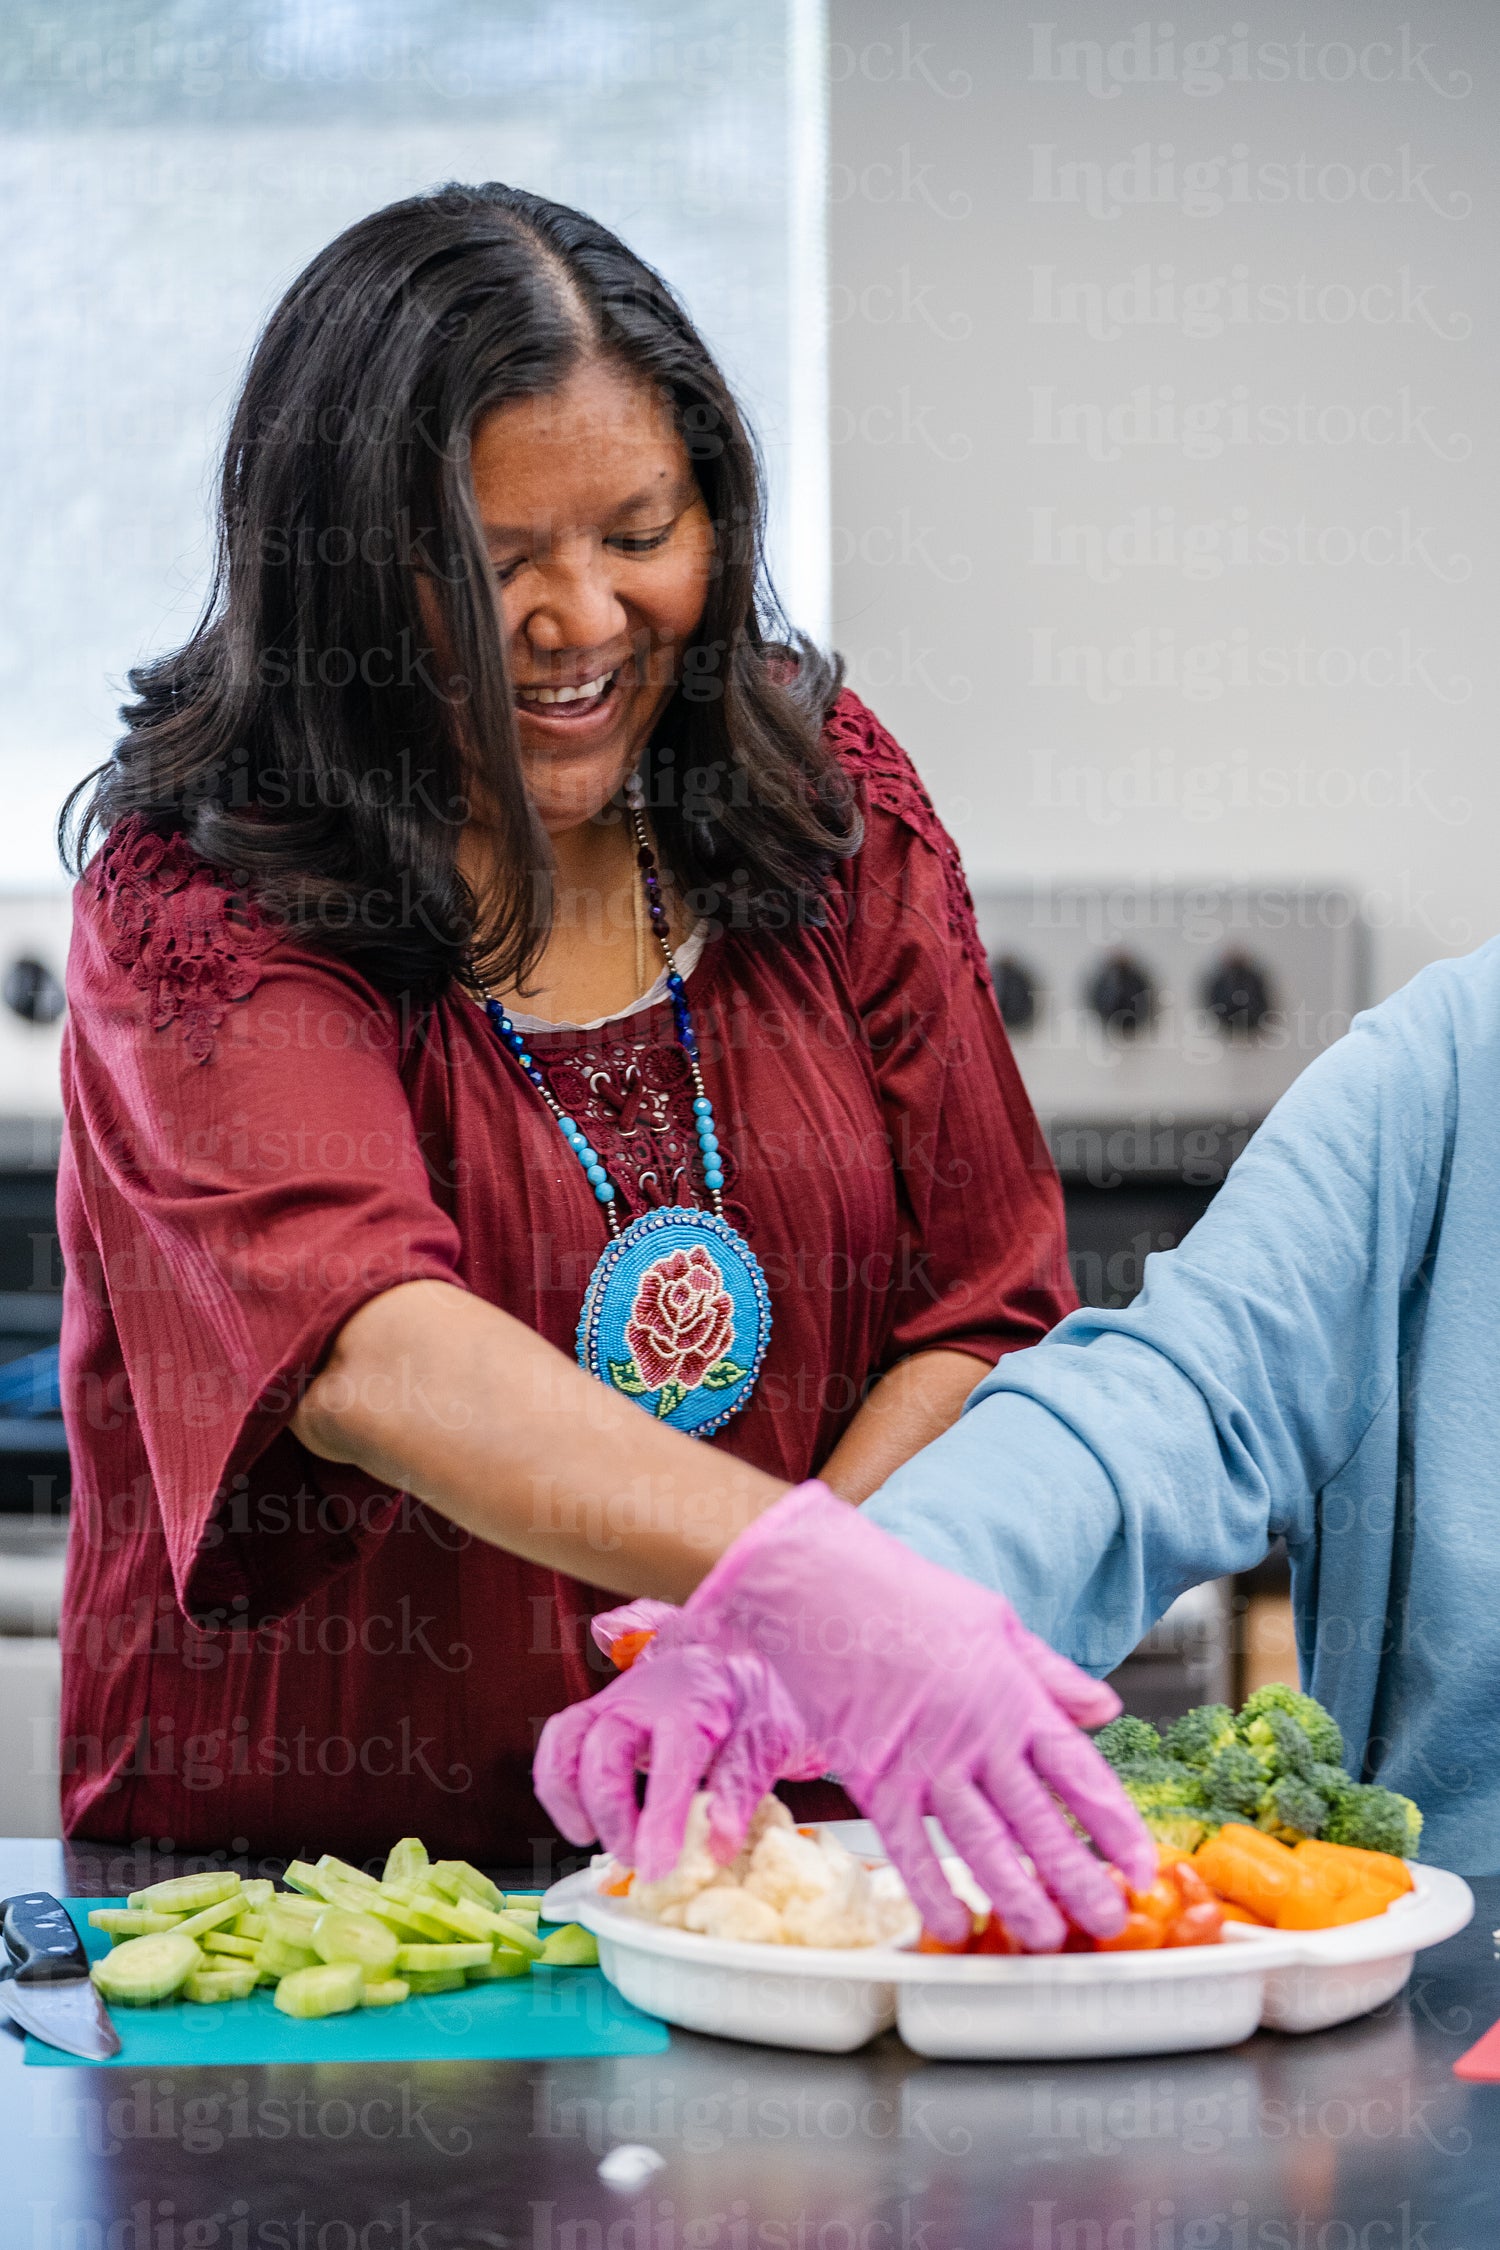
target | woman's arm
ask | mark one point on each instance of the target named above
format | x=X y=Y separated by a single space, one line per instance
x=919 y=1399
x=446 y=1397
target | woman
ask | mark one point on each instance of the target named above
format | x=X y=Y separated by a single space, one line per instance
x=478 y=883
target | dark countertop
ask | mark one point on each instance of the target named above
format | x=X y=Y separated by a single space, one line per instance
x=1354 y=2139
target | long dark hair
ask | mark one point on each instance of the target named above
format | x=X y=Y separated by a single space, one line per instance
x=308 y=738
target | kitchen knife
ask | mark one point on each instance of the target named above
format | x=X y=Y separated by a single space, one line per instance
x=45 y=1981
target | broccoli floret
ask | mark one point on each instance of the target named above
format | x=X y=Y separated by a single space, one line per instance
x=1159 y=1782
x=1331 y=1782
x=1235 y=1779
x=1278 y=1743
x=1181 y=1828
x=1319 y=1726
x=1199 y=1735
x=1291 y=1808
x=1126 y=1741
x=1376 y=1820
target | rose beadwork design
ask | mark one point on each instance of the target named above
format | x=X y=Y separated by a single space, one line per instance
x=677 y=1317
x=680 y=1329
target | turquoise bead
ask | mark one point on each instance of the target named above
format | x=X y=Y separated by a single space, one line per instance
x=703 y=1107
x=567 y=1128
x=605 y=1194
x=597 y=1174
x=713 y=1179
x=708 y=1139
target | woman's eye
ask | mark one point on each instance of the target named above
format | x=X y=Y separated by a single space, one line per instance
x=505 y=572
x=641 y=542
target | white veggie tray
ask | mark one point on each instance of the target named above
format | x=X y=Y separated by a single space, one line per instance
x=1014 y=2007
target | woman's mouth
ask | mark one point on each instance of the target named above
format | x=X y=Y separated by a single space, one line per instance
x=571 y=706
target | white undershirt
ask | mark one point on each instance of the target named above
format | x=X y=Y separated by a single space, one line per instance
x=688 y=954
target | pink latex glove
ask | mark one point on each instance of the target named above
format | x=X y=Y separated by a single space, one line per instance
x=694 y=1718
x=925 y=1694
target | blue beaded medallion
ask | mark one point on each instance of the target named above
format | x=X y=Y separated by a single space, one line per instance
x=677 y=1316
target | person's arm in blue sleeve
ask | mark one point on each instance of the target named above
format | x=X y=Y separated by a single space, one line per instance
x=1133 y=1454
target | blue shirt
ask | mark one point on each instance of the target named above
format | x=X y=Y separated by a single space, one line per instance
x=1320 y=1358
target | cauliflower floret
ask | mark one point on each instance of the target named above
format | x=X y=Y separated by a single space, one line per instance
x=782 y=1888
x=843 y=1915
x=895 y=1916
x=784 y=1866
x=696 y=1868
x=726 y=1911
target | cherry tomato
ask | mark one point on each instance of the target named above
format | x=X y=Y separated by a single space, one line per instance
x=1201 y=1924
x=1142 y=1934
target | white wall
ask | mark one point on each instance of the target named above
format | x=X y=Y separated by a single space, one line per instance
x=1288 y=668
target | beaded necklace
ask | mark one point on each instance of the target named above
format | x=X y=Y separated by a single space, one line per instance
x=676 y=1314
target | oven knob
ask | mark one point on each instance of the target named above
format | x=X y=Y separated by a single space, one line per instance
x=32 y=992
x=1015 y=989
x=1122 y=996
x=1238 y=994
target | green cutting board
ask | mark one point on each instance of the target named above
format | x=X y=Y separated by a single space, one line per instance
x=551 y=2012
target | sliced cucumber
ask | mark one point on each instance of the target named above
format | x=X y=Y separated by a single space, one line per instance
x=184 y=1894
x=216 y=1917
x=501 y=1963
x=343 y=1871
x=527 y=1916
x=455 y=1878
x=571 y=1947
x=209 y=1985
x=341 y=1936
x=224 y=1946
x=506 y=1930
x=422 y=1981
x=292 y=1920
x=437 y=1959
x=407 y=1861
x=258 y=1892
x=459 y=1917
x=275 y=1958
x=300 y=1876
x=146 y=1969
x=388 y=1993
x=330 y=1989
x=131 y=1921
x=253 y=1926
x=522 y=1902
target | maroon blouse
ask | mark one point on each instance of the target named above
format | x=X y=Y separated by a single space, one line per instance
x=261 y=1646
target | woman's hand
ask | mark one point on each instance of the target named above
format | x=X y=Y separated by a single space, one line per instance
x=924 y=1693
x=694 y=1719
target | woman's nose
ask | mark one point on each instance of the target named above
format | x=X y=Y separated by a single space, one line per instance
x=577 y=606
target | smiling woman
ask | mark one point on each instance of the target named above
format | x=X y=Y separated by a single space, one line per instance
x=522 y=1014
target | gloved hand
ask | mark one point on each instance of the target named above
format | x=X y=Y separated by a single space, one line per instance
x=925 y=1694
x=629 y=1631
x=694 y=1718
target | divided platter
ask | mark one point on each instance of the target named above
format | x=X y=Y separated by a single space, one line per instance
x=1013 y=2007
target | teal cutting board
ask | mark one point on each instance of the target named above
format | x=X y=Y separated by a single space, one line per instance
x=551 y=2012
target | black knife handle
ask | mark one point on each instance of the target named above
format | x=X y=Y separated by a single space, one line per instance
x=41 y=1940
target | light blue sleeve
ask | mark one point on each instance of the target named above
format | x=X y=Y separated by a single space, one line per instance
x=1135 y=1453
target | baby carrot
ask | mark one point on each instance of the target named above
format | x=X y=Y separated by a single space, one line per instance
x=1377 y=1867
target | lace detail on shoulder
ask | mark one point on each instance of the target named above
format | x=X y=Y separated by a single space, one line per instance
x=890 y=781
x=183 y=936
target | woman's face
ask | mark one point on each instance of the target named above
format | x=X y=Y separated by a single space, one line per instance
x=601 y=548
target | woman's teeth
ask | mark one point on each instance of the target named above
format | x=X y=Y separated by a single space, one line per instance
x=588 y=692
